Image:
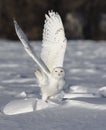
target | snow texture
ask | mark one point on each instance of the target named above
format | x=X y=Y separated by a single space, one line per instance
x=84 y=104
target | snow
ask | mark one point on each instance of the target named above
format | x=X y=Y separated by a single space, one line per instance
x=19 y=106
x=84 y=106
x=102 y=91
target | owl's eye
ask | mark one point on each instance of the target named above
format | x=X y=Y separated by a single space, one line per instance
x=61 y=71
x=55 y=70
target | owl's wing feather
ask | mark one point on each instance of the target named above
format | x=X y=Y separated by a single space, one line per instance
x=54 y=41
x=23 y=38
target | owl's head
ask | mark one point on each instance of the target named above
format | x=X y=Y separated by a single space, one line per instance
x=58 y=72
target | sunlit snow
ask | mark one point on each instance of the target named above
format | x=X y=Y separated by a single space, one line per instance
x=84 y=104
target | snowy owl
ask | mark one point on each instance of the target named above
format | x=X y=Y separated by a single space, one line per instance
x=50 y=74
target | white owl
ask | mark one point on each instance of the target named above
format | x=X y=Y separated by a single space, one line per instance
x=51 y=73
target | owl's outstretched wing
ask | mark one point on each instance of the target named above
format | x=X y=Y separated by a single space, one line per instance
x=23 y=38
x=54 y=41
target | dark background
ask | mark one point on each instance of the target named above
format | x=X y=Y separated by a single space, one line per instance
x=82 y=19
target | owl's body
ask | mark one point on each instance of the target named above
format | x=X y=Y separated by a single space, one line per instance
x=52 y=88
x=51 y=74
x=51 y=85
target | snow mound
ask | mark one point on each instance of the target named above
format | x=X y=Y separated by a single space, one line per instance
x=102 y=91
x=77 y=95
x=83 y=104
x=78 y=89
x=43 y=105
x=22 y=94
x=19 y=106
x=26 y=105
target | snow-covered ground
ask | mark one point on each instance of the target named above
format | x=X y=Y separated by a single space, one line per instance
x=85 y=108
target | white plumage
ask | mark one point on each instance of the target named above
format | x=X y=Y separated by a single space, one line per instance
x=51 y=74
x=54 y=41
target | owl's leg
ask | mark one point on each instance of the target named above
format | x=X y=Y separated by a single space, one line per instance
x=44 y=94
x=45 y=98
x=42 y=80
